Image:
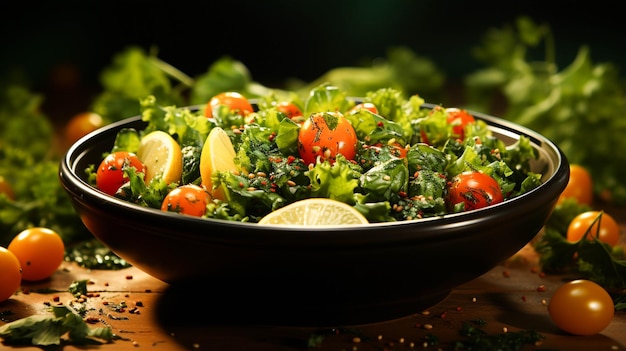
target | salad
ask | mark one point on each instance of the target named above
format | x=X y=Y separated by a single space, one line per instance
x=391 y=157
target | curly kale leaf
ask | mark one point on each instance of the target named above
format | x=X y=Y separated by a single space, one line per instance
x=132 y=75
x=335 y=181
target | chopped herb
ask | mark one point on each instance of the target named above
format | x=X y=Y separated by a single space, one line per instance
x=92 y=254
x=477 y=339
x=78 y=288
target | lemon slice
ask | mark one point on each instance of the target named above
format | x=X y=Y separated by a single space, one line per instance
x=162 y=156
x=217 y=154
x=315 y=212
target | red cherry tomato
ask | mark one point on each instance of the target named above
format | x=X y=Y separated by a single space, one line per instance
x=609 y=229
x=459 y=118
x=110 y=175
x=290 y=109
x=581 y=307
x=326 y=134
x=187 y=199
x=235 y=101
x=475 y=190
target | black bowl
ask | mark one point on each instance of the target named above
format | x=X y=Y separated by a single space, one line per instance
x=312 y=276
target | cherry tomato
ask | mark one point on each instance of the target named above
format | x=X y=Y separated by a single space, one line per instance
x=80 y=125
x=326 y=134
x=364 y=105
x=581 y=307
x=235 y=101
x=11 y=277
x=579 y=186
x=6 y=188
x=187 y=199
x=459 y=118
x=475 y=190
x=290 y=109
x=110 y=175
x=609 y=229
x=40 y=252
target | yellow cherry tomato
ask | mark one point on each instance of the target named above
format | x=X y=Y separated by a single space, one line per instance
x=581 y=307
x=580 y=185
x=11 y=274
x=40 y=252
x=609 y=229
x=80 y=125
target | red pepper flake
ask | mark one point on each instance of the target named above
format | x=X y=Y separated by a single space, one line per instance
x=534 y=269
x=542 y=275
x=56 y=298
x=129 y=277
x=443 y=315
x=105 y=303
x=541 y=288
x=524 y=298
x=459 y=308
x=106 y=284
x=506 y=274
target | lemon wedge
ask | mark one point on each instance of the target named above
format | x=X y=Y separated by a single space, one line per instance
x=315 y=212
x=217 y=154
x=162 y=156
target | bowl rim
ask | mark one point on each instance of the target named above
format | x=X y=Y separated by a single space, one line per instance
x=81 y=190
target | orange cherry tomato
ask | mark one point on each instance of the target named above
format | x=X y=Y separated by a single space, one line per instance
x=40 y=252
x=6 y=188
x=579 y=186
x=187 y=199
x=110 y=174
x=325 y=135
x=290 y=109
x=11 y=276
x=582 y=223
x=235 y=101
x=459 y=118
x=80 y=125
x=581 y=307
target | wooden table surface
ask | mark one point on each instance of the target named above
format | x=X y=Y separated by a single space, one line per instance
x=512 y=297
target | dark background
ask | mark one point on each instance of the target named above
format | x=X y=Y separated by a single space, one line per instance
x=61 y=46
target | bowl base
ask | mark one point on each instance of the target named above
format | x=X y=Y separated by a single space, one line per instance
x=219 y=309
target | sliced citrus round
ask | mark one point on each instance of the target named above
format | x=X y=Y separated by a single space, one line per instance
x=162 y=156
x=218 y=155
x=315 y=212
